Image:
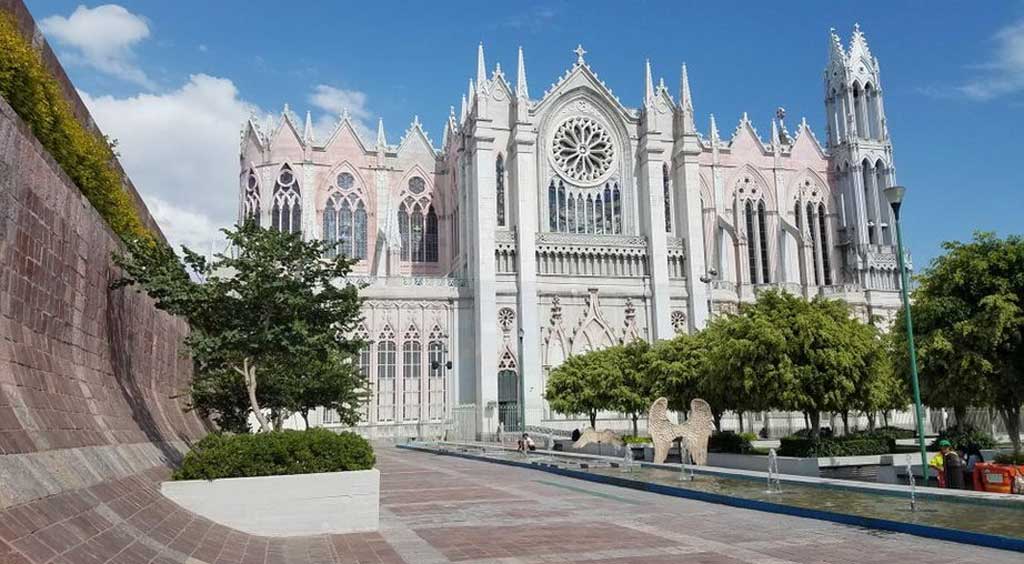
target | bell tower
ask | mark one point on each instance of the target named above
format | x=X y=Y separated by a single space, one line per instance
x=861 y=158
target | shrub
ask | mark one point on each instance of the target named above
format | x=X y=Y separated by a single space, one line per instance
x=635 y=440
x=728 y=441
x=890 y=432
x=85 y=156
x=853 y=445
x=273 y=454
x=1009 y=458
x=963 y=436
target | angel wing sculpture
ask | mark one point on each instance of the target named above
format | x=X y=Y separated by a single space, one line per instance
x=695 y=432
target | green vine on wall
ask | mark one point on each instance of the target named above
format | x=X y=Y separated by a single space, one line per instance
x=85 y=156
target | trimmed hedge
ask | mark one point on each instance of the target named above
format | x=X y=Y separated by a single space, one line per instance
x=85 y=156
x=1009 y=458
x=890 y=432
x=728 y=441
x=853 y=445
x=963 y=437
x=275 y=454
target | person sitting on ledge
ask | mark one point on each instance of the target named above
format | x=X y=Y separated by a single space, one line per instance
x=526 y=443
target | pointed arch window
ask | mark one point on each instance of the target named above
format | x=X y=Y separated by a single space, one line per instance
x=359 y=236
x=762 y=240
x=499 y=180
x=437 y=386
x=412 y=375
x=387 y=358
x=751 y=246
x=430 y=239
x=251 y=209
x=571 y=215
x=286 y=214
x=552 y=207
x=416 y=234
x=666 y=188
x=345 y=226
x=815 y=242
x=403 y=230
x=826 y=262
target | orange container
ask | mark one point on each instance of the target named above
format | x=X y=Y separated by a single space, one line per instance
x=997 y=478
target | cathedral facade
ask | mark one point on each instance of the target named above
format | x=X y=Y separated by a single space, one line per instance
x=543 y=227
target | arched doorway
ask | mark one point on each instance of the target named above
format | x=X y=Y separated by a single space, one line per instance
x=508 y=400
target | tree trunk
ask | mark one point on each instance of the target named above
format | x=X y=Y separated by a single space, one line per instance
x=960 y=414
x=305 y=417
x=1011 y=418
x=717 y=416
x=846 y=422
x=249 y=374
x=593 y=420
x=739 y=415
x=807 y=421
x=636 y=432
x=872 y=416
x=815 y=419
x=885 y=417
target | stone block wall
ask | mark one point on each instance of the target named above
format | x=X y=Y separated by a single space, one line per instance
x=91 y=379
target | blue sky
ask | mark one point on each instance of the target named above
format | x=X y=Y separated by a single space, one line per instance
x=173 y=80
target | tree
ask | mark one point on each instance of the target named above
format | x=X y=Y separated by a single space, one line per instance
x=332 y=382
x=637 y=379
x=968 y=315
x=275 y=300
x=679 y=365
x=584 y=384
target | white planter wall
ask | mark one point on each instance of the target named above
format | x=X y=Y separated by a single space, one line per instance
x=280 y=506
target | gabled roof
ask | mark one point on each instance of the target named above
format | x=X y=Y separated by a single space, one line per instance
x=416 y=135
x=345 y=127
x=581 y=75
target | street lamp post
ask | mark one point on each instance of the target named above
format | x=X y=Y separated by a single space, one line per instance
x=706 y=279
x=894 y=194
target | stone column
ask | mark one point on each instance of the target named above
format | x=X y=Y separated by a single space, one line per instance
x=686 y=176
x=652 y=225
x=524 y=208
x=482 y=271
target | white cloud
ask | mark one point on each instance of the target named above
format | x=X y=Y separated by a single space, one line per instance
x=1001 y=76
x=333 y=102
x=180 y=149
x=103 y=38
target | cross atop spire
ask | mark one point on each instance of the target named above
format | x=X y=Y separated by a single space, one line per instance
x=580 y=51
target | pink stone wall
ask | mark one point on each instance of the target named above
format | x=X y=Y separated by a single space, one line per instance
x=80 y=365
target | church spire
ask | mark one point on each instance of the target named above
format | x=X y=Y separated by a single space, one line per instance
x=715 y=138
x=462 y=112
x=381 y=139
x=481 y=69
x=686 y=102
x=307 y=133
x=648 y=84
x=471 y=94
x=521 y=89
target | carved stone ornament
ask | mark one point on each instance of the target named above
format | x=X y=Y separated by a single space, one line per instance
x=506 y=316
x=694 y=433
x=678 y=319
x=582 y=151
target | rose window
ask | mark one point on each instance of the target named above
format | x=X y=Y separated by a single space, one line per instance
x=582 y=150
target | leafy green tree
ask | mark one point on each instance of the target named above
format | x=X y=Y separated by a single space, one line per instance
x=637 y=381
x=679 y=364
x=585 y=384
x=275 y=300
x=968 y=313
x=332 y=382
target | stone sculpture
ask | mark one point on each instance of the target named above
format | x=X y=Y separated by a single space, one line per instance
x=594 y=436
x=695 y=432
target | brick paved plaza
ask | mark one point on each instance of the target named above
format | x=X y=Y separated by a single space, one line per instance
x=437 y=509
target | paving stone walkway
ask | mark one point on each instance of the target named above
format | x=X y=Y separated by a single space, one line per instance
x=439 y=509
x=444 y=509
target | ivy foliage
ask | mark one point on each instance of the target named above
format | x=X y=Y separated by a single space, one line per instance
x=84 y=155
